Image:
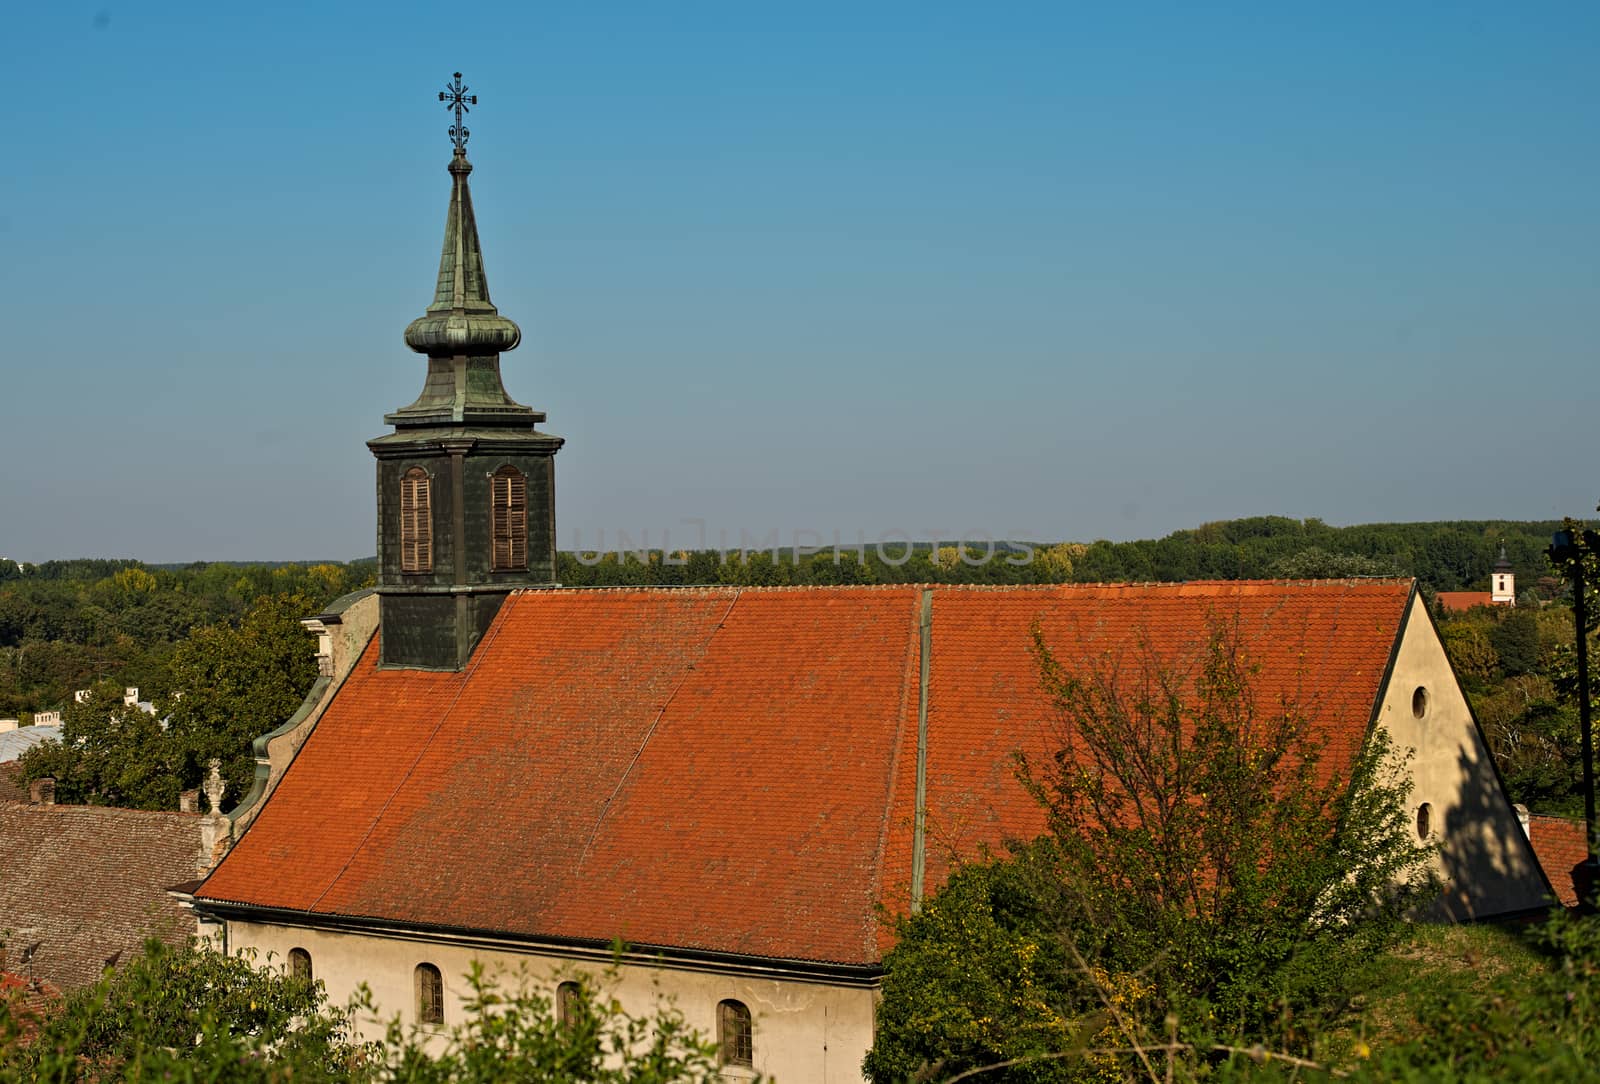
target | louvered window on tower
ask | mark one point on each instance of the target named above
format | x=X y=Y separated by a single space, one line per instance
x=509 y=519
x=416 y=521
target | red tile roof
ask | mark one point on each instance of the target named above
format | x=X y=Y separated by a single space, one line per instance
x=1457 y=601
x=732 y=770
x=1560 y=843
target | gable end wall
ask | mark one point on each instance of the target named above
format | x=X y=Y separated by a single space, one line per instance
x=1485 y=861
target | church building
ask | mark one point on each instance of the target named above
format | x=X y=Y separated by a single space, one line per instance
x=730 y=781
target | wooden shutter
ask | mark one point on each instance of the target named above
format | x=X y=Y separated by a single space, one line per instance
x=416 y=521
x=508 y=519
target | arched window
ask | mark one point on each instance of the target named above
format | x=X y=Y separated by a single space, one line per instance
x=569 y=1004
x=430 y=995
x=735 y=1036
x=508 y=519
x=300 y=964
x=416 y=521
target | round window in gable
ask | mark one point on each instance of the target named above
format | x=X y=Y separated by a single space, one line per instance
x=1424 y=820
x=1419 y=701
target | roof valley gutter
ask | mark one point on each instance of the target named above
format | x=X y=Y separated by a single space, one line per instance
x=920 y=821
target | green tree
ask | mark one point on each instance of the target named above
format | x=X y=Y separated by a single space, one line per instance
x=1202 y=857
x=1315 y=563
x=229 y=684
x=185 y=1015
x=1471 y=654
x=1516 y=641
x=110 y=753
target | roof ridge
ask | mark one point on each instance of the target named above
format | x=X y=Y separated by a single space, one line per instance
x=924 y=585
x=97 y=809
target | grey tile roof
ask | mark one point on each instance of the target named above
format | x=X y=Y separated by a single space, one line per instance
x=13 y=743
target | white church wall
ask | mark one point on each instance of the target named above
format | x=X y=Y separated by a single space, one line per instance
x=803 y=1031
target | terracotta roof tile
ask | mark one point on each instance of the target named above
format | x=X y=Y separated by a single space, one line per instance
x=729 y=769
x=1458 y=601
x=1560 y=843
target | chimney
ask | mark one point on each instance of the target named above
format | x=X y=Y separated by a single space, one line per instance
x=42 y=791
x=189 y=802
x=130 y=695
x=1522 y=819
x=8 y=724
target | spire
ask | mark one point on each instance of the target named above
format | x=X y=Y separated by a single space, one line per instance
x=1504 y=563
x=462 y=319
x=462 y=332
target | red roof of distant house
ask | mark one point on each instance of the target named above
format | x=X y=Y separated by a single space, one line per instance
x=27 y=1001
x=1560 y=843
x=1457 y=601
x=733 y=770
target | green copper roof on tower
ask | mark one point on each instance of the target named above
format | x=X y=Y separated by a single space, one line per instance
x=462 y=332
x=462 y=320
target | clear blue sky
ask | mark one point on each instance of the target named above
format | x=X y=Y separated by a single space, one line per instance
x=1054 y=270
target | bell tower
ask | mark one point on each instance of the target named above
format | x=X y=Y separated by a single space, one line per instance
x=1503 y=582
x=466 y=482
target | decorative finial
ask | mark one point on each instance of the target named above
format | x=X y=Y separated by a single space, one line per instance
x=215 y=787
x=455 y=97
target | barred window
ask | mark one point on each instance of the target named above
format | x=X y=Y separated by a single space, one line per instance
x=416 y=521
x=735 y=1035
x=300 y=964
x=569 y=1004
x=508 y=519
x=430 y=995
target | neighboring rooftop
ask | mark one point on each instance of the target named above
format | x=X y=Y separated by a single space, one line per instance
x=1560 y=843
x=85 y=883
x=1460 y=601
x=12 y=787
x=733 y=770
x=13 y=743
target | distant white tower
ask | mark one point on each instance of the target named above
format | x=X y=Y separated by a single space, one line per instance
x=1504 y=589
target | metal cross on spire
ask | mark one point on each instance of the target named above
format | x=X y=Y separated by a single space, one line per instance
x=456 y=97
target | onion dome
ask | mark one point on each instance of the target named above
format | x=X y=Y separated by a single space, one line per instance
x=462 y=321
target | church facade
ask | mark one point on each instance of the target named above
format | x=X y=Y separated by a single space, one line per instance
x=735 y=783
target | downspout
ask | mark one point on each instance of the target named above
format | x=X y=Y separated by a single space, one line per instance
x=920 y=817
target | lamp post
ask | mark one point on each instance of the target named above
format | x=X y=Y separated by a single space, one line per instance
x=1565 y=553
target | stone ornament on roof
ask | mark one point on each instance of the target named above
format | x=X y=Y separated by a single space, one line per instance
x=215 y=787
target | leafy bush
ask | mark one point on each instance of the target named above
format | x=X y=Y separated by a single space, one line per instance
x=1202 y=859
